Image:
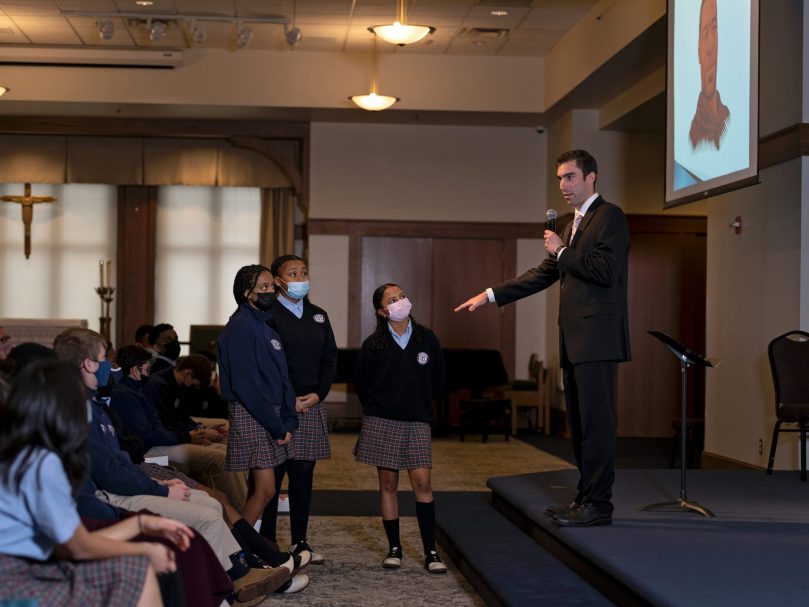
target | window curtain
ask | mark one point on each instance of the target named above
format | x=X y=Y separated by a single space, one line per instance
x=277 y=224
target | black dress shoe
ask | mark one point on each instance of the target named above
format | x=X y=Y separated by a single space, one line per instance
x=585 y=515
x=555 y=511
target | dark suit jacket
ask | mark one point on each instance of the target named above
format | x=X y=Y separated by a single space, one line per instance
x=593 y=317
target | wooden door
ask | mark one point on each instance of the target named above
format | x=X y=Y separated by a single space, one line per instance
x=667 y=262
x=461 y=268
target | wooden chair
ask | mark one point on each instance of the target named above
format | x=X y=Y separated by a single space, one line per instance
x=789 y=362
x=531 y=401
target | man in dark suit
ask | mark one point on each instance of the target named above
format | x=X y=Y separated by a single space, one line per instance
x=590 y=263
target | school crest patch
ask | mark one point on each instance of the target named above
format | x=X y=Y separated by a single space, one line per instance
x=319 y=318
x=275 y=344
x=422 y=358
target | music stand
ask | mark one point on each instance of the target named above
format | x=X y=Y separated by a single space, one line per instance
x=687 y=358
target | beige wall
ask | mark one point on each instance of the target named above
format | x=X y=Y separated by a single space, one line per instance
x=756 y=279
x=286 y=79
x=753 y=296
x=429 y=173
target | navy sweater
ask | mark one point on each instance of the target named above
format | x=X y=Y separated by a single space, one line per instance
x=309 y=346
x=400 y=384
x=111 y=469
x=139 y=416
x=253 y=370
x=163 y=394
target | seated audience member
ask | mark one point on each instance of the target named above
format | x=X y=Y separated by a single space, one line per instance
x=205 y=405
x=46 y=553
x=190 y=449
x=166 y=344
x=166 y=390
x=119 y=483
x=142 y=336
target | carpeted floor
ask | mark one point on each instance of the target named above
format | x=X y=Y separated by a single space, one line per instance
x=353 y=576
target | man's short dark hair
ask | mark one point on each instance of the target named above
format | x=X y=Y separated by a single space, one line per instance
x=142 y=331
x=154 y=334
x=131 y=356
x=584 y=160
x=200 y=368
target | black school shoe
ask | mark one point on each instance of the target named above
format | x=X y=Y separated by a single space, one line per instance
x=394 y=558
x=585 y=515
x=555 y=511
x=433 y=564
x=317 y=559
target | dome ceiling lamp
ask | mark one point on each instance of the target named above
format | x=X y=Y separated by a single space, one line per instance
x=373 y=101
x=400 y=32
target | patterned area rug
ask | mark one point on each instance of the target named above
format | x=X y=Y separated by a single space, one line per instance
x=353 y=575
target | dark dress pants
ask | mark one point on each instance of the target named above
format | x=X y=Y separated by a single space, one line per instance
x=590 y=395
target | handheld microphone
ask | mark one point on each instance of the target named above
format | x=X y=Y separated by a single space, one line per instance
x=550 y=219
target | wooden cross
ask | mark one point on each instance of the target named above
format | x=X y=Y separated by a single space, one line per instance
x=27 y=202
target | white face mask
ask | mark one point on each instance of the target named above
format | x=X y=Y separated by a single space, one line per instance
x=400 y=310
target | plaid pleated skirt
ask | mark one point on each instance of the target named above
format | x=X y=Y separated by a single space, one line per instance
x=250 y=446
x=311 y=440
x=113 y=582
x=394 y=444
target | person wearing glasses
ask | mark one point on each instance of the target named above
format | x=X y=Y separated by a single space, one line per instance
x=400 y=369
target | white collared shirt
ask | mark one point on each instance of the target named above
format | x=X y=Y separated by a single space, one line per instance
x=404 y=338
x=295 y=307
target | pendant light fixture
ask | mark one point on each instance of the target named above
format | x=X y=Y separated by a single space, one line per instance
x=399 y=32
x=373 y=101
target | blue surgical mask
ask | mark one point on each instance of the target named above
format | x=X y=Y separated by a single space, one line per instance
x=298 y=290
x=103 y=373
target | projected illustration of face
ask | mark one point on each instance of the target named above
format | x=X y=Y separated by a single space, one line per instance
x=708 y=43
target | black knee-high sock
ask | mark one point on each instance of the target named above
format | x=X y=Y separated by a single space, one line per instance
x=269 y=517
x=251 y=541
x=301 y=473
x=392 y=531
x=425 y=514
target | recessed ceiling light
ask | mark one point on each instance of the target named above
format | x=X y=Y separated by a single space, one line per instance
x=144 y=2
x=499 y=13
x=478 y=43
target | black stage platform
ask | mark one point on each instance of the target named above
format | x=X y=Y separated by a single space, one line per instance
x=755 y=552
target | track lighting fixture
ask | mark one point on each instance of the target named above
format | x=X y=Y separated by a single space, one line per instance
x=244 y=36
x=157 y=31
x=106 y=29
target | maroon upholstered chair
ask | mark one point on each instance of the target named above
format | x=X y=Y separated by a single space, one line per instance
x=789 y=362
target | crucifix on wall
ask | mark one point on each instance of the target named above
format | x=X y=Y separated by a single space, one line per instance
x=27 y=202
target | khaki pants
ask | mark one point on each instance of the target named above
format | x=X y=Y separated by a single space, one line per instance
x=201 y=512
x=206 y=464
